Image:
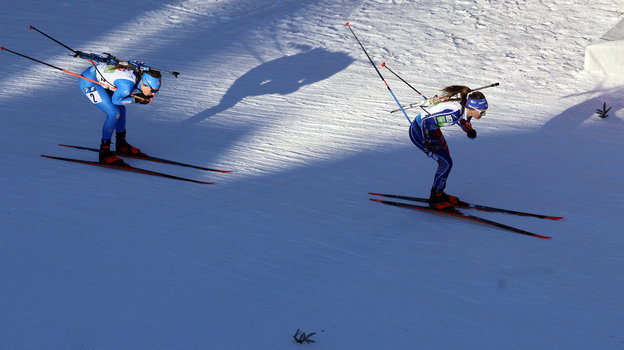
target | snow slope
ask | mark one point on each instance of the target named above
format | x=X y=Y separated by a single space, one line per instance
x=281 y=93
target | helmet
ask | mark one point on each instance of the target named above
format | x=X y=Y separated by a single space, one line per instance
x=152 y=82
x=472 y=103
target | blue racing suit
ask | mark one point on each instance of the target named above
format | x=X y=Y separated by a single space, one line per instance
x=111 y=103
x=427 y=127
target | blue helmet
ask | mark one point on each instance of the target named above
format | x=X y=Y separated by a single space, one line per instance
x=472 y=103
x=152 y=82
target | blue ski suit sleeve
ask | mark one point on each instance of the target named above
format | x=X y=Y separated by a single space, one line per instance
x=122 y=95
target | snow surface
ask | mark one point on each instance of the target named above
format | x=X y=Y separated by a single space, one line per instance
x=280 y=92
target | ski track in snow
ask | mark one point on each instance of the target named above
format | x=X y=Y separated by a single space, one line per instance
x=282 y=94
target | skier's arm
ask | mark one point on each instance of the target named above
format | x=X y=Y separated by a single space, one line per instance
x=122 y=95
x=467 y=127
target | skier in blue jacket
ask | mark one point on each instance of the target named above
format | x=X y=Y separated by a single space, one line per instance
x=459 y=105
x=143 y=86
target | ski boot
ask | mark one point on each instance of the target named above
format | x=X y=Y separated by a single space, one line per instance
x=107 y=156
x=122 y=146
x=456 y=202
x=440 y=201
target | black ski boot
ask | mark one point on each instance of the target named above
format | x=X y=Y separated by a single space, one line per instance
x=122 y=146
x=440 y=201
x=107 y=156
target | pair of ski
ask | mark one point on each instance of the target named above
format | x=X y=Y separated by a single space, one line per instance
x=130 y=168
x=460 y=214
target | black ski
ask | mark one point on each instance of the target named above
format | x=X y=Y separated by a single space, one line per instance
x=459 y=214
x=472 y=206
x=144 y=156
x=128 y=168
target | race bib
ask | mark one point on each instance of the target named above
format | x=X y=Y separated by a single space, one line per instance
x=93 y=95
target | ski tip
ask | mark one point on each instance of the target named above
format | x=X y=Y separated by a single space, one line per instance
x=542 y=237
x=376 y=200
x=3 y=48
x=383 y=64
x=31 y=27
x=51 y=157
x=374 y=194
x=347 y=24
x=209 y=169
x=554 y=217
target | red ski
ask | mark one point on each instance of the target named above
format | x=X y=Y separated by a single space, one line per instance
x=472 y=206
x=128 y=168
x=144 y=156
x=459 y=214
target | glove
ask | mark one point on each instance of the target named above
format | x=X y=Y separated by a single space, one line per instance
x=142 y=99
x=472 y=134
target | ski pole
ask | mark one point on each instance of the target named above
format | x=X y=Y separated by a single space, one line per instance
x=65 y=71
x=76 y=53
x=98 y=58
x=408 y=84
x=383 y=64
x=412 y=105
x=52 y=66
x=56 y=41
x=378 y=72
x=423 y=96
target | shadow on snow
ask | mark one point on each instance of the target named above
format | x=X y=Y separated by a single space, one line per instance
x=284 y=75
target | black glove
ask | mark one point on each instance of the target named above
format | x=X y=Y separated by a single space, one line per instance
x=142 y=99
x=472 y=134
